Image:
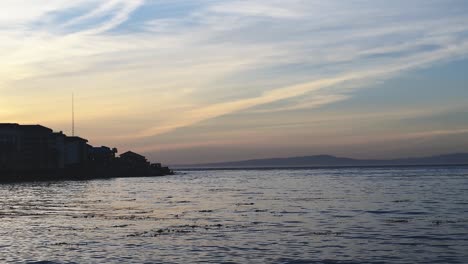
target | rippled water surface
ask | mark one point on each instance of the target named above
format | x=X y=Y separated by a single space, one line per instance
x=386 y=215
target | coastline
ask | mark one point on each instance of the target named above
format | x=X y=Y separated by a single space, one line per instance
x=9 y=176
x=317 y=167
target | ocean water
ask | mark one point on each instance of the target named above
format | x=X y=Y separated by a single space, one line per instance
x=357 y=215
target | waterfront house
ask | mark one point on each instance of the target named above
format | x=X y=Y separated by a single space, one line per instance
x=76 y=152
x=27 y=147
x=133 y=158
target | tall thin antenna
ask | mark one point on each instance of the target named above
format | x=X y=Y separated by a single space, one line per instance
x=73 y=114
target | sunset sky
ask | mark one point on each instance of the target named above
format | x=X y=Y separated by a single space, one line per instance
x=205 y=81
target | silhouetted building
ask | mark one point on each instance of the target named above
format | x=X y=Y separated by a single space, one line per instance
x=101 y=154
x=9 y=145
x=156 y=165
x=36 y=152
x=76 y=152
x=134 y=158
x=60 y=148
x=27 y=147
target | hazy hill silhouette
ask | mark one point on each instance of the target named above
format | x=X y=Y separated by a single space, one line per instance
x=332 y=161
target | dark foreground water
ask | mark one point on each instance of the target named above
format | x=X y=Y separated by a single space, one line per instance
x=386 y=215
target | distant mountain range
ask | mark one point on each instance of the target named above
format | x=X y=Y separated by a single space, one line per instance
x=332 y=161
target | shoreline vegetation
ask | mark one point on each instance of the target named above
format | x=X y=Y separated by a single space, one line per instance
x=36 y=153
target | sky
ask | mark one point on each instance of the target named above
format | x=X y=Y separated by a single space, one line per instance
x=188 y=82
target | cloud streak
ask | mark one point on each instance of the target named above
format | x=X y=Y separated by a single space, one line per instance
x=274 y=95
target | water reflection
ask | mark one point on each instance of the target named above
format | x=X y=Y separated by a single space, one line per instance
x=302 y=216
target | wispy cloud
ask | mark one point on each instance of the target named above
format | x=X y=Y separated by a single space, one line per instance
x=97 y=12
x=272 y=9
x=120 y=17
x=274 y=95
